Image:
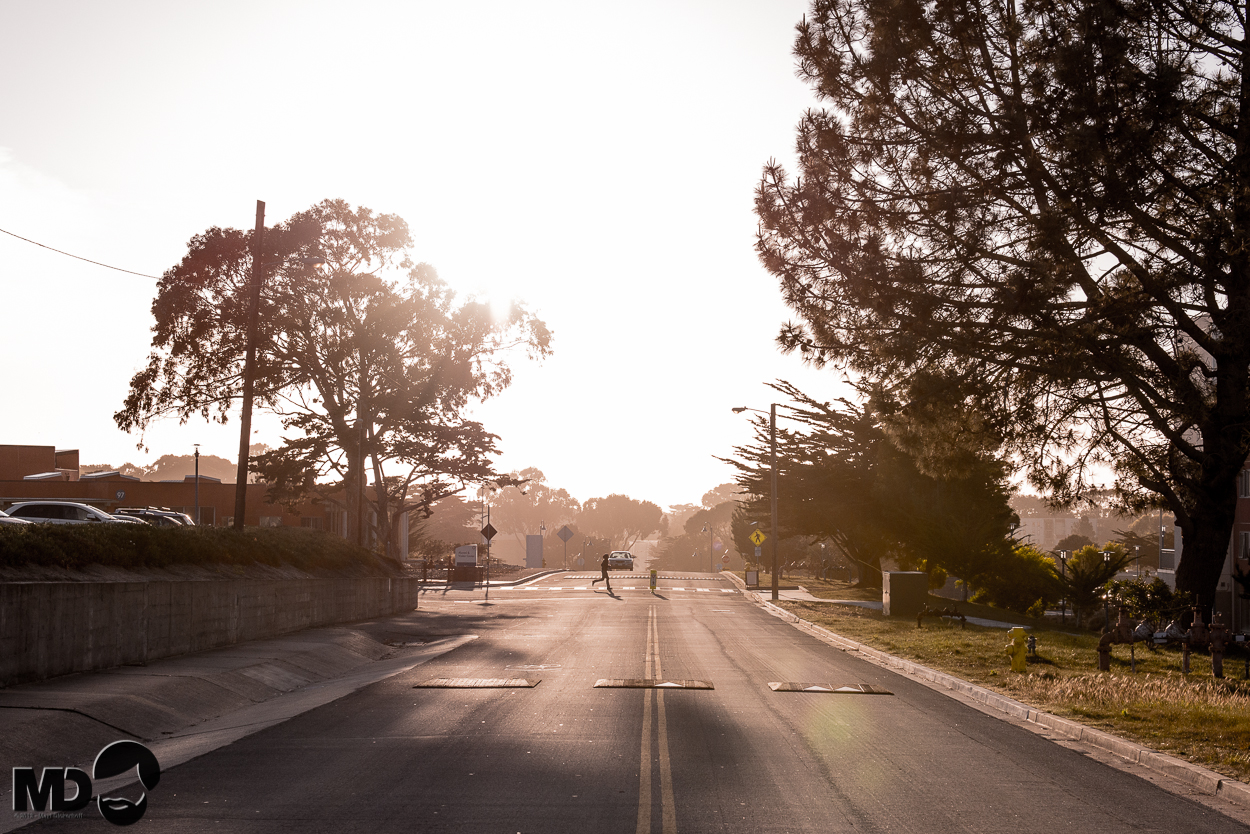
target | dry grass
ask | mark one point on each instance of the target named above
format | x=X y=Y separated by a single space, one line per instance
x=1195 y=717
x=818 y=587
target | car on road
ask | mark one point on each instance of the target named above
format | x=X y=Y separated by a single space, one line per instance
x=5 y=518
x=60 y=512
x=620 y=560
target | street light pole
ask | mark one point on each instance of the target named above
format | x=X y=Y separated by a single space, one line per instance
x=1063 y=572
x=249 y=368
x=772 y=433
x=197 y=485
x=772 y=443
x=1106 y=609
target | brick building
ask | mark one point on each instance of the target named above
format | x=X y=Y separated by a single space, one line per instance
x=44 y=472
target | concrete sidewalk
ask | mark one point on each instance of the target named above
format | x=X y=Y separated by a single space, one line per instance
x=185 y=706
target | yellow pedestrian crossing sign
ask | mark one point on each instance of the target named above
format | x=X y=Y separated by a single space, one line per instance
x=757 y=538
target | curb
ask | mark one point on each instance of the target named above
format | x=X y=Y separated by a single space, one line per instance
x=497 y=583
x=1192 y=775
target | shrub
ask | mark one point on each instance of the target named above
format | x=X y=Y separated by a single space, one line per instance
x=76 y=546
x=1153 y=601
x=1022 y=580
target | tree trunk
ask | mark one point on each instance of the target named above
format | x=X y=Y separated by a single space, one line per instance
x=382 y=502
x=351 y=485
x=1207 y=533
x=1207 y=525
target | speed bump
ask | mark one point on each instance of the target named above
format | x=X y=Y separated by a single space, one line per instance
x=853 y=689
x=649 y=683
x=478 y=683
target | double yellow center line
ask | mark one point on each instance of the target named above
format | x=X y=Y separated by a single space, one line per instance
x=668 y=815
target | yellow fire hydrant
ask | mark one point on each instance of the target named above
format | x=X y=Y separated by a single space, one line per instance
x=1017 y=648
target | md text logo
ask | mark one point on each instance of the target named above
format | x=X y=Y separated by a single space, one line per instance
x=34 y=796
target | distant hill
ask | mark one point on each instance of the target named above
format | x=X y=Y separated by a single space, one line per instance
x=177 y=467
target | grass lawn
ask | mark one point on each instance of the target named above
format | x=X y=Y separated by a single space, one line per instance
x=1195 y=717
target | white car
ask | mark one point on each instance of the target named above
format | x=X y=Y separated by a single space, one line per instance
x=60 y=512
x=620 y=560
x=5 y=518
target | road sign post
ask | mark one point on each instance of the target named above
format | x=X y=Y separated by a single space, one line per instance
x=757 y=539
x=565 y=534
x=488 y=533
x=753 y=576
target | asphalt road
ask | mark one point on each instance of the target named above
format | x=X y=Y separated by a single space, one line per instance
x=564 y=755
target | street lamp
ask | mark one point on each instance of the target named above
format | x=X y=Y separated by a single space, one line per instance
x=772 y=444
x=1106 y=609
x=1063 y=572
x=197 y=485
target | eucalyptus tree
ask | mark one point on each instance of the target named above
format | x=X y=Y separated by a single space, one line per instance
x=531 y=504
x=370 y=360
x=1047 y=206
x=619 y=520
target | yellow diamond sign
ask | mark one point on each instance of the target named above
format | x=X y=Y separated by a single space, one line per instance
x=757 y=538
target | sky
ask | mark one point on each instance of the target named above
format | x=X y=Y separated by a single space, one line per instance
x=594 y=161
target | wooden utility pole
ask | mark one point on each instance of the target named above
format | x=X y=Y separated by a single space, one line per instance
x=249 y=368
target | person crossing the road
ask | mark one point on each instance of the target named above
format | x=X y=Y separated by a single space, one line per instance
x=603 y=574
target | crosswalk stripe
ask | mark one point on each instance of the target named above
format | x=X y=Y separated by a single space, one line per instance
x=621 y=588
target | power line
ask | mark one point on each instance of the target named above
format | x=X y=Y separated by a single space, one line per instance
x=88 y=260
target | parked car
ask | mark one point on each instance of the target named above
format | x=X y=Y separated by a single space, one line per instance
x=620 y=560
x=5 y=518
x=61 y=512
x=156 y=516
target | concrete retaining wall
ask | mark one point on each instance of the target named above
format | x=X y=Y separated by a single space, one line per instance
x=55 y=628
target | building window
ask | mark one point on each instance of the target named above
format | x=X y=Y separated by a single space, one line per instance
x=1244 y=483
x=271 y=521
x=313 y=522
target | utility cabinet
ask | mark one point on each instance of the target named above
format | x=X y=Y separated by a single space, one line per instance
x=903 y=592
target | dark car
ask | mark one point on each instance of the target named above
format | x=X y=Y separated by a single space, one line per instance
x=157 y=517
